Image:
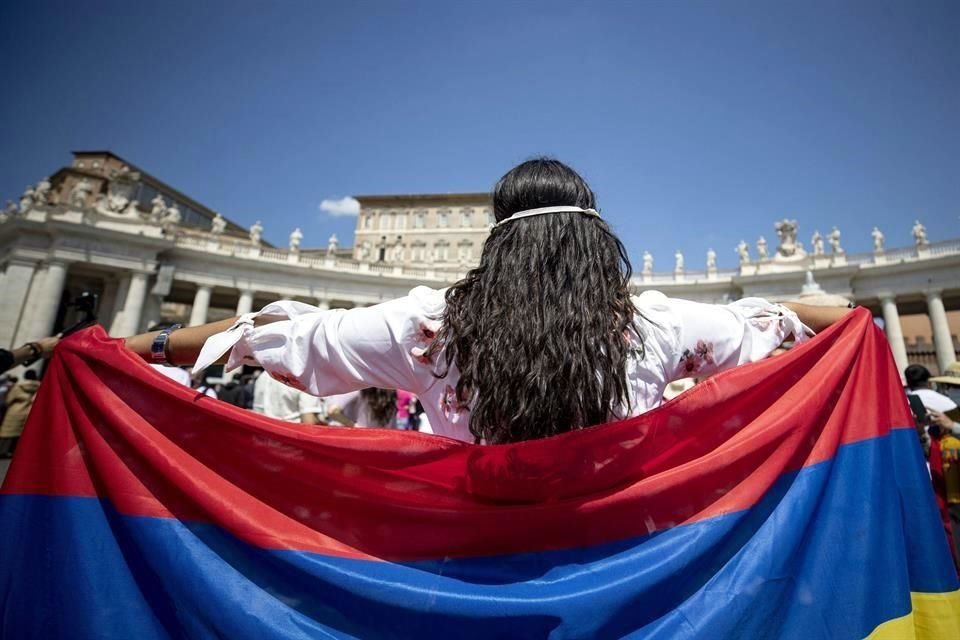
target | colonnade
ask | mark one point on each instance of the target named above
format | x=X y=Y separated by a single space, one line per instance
x=32 y=291
x=942 y=339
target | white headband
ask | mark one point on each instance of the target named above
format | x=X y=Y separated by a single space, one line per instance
x=543 y=210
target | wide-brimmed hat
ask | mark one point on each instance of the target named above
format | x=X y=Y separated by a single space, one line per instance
x=951 y=374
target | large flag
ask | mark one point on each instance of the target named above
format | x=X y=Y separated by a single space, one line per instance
x=783 y=499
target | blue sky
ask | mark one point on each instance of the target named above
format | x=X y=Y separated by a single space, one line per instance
x=697 y=123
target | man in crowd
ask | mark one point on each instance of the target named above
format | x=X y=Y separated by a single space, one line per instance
x=276 y=400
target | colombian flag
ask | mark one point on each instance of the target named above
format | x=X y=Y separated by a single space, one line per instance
x=782 y=499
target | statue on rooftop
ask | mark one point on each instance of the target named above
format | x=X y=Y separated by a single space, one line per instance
x=26 y=200
x=80 y=193
x=920 y=234
x=711 y=259
x=171 y=218
x=332 y=245
x=295 y=238
x=743 y=250
x=877 y=240
x=762 y=249
x=256 y=233
x=647 y=262
x=158 y=208
x=834 y=239
x=817 y=242
x=787 y=233
x=41 y=193
x=218 y=225
x=678 y=262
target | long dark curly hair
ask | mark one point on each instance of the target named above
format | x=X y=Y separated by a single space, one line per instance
x=382 y=404
x=541 y=330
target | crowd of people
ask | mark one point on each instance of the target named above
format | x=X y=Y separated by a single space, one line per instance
x=934 y=401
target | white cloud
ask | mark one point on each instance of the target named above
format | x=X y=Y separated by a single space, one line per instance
x=343 y=207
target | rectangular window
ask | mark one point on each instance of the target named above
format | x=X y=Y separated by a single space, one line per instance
x=420 y=220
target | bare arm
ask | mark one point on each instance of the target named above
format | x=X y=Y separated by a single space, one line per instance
x=817 y=318
x=309 y=418
x=184 y=345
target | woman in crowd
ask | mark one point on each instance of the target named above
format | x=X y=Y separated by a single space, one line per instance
x=370 y=407
x=19 y=400
x=542 y=337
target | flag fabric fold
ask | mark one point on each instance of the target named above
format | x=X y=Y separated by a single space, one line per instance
x=783 y=499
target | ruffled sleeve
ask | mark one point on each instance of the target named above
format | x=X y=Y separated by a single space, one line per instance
x=325 y=352
x=703 y=339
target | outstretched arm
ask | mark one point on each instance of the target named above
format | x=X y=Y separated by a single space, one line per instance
x=183 y=345
x=817 y=318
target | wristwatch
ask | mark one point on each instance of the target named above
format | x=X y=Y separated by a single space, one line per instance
x=158 y=349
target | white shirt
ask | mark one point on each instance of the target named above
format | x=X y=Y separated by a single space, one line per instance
x=174 y=373
x=339 y=350
x=933 y=400
x=277 y=400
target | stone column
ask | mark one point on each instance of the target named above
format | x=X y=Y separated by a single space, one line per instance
x=44 y=303
x=128 y=323
x=16 y=285
x=245 y=304
x=891 y=323
x=201 y=304
x=942 y=340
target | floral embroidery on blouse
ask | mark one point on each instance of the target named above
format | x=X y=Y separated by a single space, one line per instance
x=701 y=355
x=451 y=404
x=426 y=334
x=288 y=380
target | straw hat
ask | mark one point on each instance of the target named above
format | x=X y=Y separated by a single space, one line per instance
x=951 y=374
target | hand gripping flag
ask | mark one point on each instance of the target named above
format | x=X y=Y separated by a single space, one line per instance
x=783 y=499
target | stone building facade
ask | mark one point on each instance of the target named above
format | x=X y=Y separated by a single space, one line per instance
x=443 y=230
x=120 y=233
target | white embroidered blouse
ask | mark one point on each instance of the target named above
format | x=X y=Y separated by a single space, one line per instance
x=339 y=350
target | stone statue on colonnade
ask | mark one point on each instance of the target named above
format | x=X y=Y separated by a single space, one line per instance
x=80 y=192
x=41 y=193
x=878 y=239
x=171 y=218
x=920 y=234
x=295 y=238
x=762 y=249
x=711 y=259
x=834 y=239
x=789 y=248
x=256 y=233
x=678 y=262
x=743 y=250
x=218 y=225
x=26 y=200
x=817 y=241
x=647 y=262
x=332 y=245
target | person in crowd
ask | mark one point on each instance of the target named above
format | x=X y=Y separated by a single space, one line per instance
x=543 y=337
x=948 y=382
x=279 y=401
x=232 y=393
x=247 y=384
x=19 y=401
x=201 y=384
x=370 y=407
x=406 y=406
x=918 y=384
x=28 y=353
